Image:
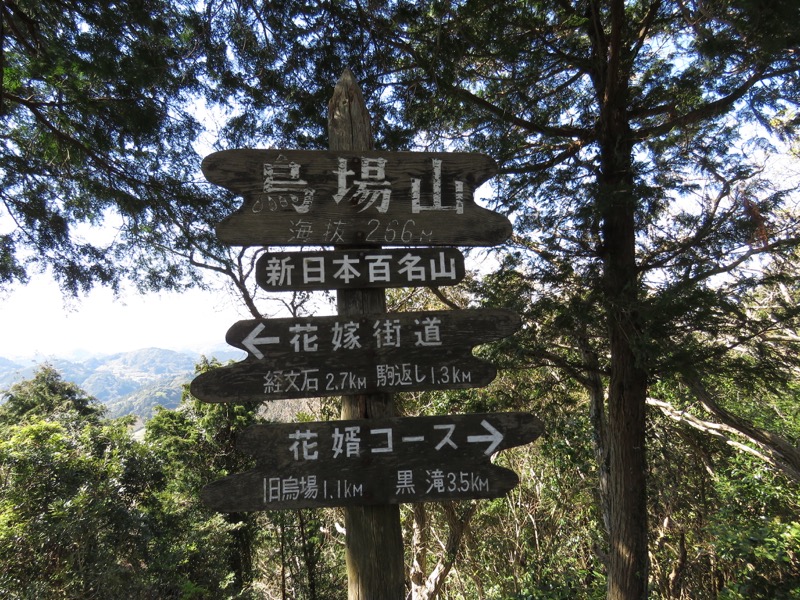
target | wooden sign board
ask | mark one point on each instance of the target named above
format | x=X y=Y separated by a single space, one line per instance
x=377 y=353
x=362 y=462
x=310 y=197
x=359 y=269
x=306 y=487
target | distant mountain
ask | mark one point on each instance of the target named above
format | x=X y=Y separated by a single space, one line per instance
x=11 y=372
x=127 y=383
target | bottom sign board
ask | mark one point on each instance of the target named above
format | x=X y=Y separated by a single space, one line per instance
x=373 y=461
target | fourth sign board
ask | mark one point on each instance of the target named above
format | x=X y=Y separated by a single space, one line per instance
x=373 y=461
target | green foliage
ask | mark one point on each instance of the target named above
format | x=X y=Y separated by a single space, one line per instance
x=196 y=443
x=757 y=533
x=87 y=512
x=75 y=511
x=727 y=530
x=96 y=129
x=235 y=555
x=47 y=395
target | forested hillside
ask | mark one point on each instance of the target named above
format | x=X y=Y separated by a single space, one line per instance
x=647 y=156
x=127 y=383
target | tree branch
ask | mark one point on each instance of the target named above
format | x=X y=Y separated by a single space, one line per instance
x=704 y=112
x=529 y=126
x=778 y=452
x=458 y=526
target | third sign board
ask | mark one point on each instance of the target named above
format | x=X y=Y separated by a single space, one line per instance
x=327 y=356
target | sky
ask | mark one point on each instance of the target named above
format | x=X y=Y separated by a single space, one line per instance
x=36 y=323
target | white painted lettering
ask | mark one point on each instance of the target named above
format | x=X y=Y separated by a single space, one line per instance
x=283 y=187
x=387 y=333
x=302 y=441
x=304 y=339
x=411 y=269
x=430 y=334
x=372 y=188
x=300 y=230
x=308 y=487
x=334 y=231
x=446 y=441
x=442 y=270
x=436 y=193
x=378 y=268
x=279 y=272
x=314 y=269
x=347 y=442
x=347 y=268
x=388 y=433
x=435 y=481
x=405 y=482
x=345 y=335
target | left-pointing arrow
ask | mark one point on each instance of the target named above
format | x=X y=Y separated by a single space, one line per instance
x=252 y=341
x=494 y=438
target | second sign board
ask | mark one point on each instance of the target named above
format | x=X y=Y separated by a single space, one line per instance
x=358 y=269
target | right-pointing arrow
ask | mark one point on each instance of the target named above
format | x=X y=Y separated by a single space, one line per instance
x=494 y=437
x=252 y=341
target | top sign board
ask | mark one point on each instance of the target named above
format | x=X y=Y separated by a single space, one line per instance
x=310 y=197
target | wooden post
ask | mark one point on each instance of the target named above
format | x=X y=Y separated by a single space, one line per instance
x=374 y=541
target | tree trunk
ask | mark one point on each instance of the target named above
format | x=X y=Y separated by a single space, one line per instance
x=627 y=392
x=627 y=395
x=373 y=541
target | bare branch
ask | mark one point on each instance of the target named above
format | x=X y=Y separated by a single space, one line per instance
x=771 y=448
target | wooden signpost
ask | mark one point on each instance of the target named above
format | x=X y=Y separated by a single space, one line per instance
x=359 y=200
x=373 y=461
